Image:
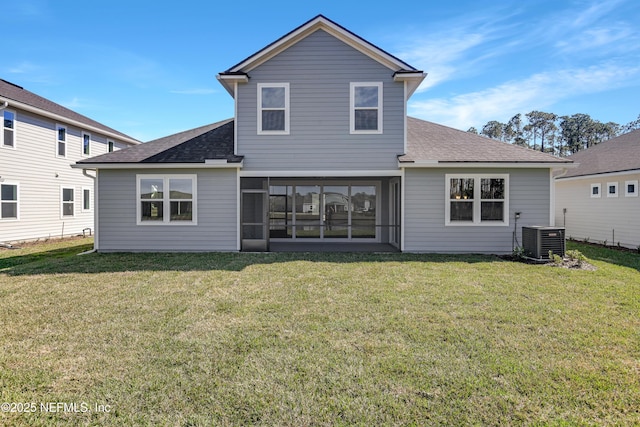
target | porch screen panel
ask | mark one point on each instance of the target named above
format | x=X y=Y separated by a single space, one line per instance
x=281 y=211
x=308 y=209
x=336 y=211
x=363 y=215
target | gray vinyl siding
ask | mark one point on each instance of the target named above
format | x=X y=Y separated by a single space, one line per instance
x=40 y=175
x=319 y=70
x=216 y=228
x=424 y=214
x=614 y=219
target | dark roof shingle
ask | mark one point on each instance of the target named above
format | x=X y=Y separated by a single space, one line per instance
x=13 y=92
x=213 y=141
x=427 y=141
x=618 y=154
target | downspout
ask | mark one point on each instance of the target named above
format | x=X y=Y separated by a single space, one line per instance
x=95 y=212
x=552 y=192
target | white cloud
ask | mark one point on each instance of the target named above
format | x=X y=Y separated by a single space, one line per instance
x=534 y=93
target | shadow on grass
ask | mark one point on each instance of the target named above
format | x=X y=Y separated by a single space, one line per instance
x=612 y=256
x=62 y=261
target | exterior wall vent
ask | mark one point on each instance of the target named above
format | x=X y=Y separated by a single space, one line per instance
x=537 y=241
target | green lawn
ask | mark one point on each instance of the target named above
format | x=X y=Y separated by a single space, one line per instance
x=316 y=339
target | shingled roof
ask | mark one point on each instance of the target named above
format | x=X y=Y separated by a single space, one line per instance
x=210 y=142
x=618 y=154
x=427 y=141
x=431 y=142
x=12 y=92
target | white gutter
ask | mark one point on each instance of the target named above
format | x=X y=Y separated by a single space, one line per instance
x=62 y=119
x=6 y=104
x=599 y=175
x=516 y=165
x=208 y=164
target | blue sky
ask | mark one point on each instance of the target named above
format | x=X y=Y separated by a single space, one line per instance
x=148 y=68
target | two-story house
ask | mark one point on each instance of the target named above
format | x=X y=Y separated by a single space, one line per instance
x=41 y=195
x=320 y=153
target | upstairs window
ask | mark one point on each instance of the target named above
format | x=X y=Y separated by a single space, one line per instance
x=8 y=201
x=61 y=138
x=110 y=146
x=366 y=108
x=273 y=108
x=8 y=136
x=595 y=191
x=477 y=200
x=612 y=189
x=86 y=144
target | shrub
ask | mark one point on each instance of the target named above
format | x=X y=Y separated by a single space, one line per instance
x=576 y=255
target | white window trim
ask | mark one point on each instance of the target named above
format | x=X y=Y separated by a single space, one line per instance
x=615 y=184
x=17 y=218
x=166 y=205
x=286 y=109
x=477 y=222
x=599 y=187
x=2 y=128
x=90 y=199
x=626 y=188
x=352 y=108
x=66 y=140
x=62 y=202
x=83 y=135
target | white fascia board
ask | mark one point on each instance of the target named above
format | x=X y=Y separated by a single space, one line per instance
x=412 y=81
x=512 y=165
x=209 y=164
x=319 y=173
x=320 y=23
x=598 y=175
x=229 y=81
x=65 y=120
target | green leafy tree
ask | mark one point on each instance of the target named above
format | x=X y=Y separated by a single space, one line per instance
x=493 y=129
x=631 y=126
x=545 y=127
x=514 y=132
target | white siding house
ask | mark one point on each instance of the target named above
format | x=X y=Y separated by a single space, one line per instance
x=598 y=201
x=41 y=195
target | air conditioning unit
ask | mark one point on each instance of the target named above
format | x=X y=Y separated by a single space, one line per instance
x=537 y=241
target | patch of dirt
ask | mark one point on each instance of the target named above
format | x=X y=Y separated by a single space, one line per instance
x=571 y=264
x=30 y=243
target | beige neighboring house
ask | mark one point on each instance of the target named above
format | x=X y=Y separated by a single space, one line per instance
x=599 y=199
x=41 y=196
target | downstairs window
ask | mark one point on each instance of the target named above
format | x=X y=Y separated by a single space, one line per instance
x=166 y=199
x=477 y=200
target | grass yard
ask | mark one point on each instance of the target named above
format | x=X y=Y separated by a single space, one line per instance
x=316 y=339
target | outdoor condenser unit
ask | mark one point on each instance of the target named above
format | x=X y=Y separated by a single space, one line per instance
x=537 y=241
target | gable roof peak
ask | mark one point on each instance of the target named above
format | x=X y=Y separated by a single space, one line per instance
x=319 y=22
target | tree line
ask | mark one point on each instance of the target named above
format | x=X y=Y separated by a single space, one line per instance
x=550 y=133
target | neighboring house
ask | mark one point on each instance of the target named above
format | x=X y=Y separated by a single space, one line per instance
x=321 y=152
x=41 y=195
x=598 y=201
